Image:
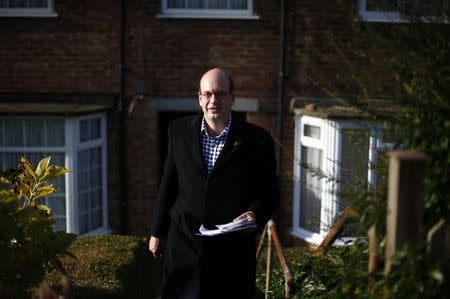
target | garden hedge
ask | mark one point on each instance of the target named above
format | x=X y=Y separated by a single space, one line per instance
x=111 y=266
x=115 y=266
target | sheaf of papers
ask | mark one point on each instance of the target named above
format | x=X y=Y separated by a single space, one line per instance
x=243 y=224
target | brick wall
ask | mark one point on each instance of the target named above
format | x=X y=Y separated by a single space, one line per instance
x=168 y=57
x=78 y=52
x=74 y=52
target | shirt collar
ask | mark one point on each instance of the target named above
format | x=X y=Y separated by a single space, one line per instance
x=224 y=133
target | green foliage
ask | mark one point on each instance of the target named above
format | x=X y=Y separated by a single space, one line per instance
x=111 y=266
x=398 y=73
x=28 y=245
x=339 y=274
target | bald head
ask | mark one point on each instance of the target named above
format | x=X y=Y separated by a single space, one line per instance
x=216 y=98
x=220 y=75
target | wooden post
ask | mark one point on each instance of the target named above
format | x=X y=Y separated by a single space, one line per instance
x=288 y=278
x=268 y=262
x=373 y=249
x=405 y=202
x=261 y=243
x=335 y=229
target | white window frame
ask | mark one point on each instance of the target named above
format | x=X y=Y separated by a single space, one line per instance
x=387 y=16
x=331 y=145
x=73 y=125
x=187 y=13
x=70 y=149
x=48 y=11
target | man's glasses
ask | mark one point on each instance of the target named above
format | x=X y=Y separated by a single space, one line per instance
x=208 y=95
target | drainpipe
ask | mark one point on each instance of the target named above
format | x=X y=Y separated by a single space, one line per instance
x=281 y=77
x=122 y=108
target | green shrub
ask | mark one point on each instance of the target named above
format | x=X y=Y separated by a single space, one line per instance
x=339 y=274
x=111 y=266
x=28 y=245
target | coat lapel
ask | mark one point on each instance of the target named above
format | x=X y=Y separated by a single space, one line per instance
x=233 y=142
x=195 y=141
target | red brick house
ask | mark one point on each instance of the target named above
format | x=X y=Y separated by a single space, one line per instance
x=72 y=70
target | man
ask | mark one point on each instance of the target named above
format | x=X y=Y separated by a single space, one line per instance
x=218 y=169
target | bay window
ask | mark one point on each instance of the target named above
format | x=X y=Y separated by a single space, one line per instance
x=332 y=155
x=77 y=143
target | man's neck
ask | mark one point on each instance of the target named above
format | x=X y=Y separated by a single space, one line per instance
x=215 y=128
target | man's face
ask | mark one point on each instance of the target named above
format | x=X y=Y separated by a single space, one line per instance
x=214 y=97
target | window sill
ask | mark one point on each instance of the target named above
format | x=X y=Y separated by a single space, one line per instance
x=100 y=231
x=202 y=16
x=28 y=15
x=397 y=19
x=310 y=237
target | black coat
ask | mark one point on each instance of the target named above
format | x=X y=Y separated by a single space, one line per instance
x=243 y=179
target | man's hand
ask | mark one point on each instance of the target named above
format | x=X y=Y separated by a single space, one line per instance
x=249 y=215
x=153 y=246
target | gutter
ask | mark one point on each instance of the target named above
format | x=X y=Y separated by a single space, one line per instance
x=122 y=108
x=281 y=83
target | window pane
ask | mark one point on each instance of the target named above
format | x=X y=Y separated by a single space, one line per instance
x=34 y=158
x=96 y=177
x=83 y=160
x=84 y=130
x=95 y=128
x=57 y=204
x=34 y=132
x=382 y=5
x=311 y=189
x=96 y=198
x=216 y=4
x=95 y=157
x=1 y=131
x=196 y=4
x=18 y=3
x=60 y=224
x=90 y=186
x=175 y=4
x=12 y=160
x=90 y=129
x=55 y=132
x=354 y=164
x=84 y=202
x=96 y=219
x=83 y=180
x=238 y=4
x=311 y=131
x=37 y=3
x=84 y=224
x=13 y=132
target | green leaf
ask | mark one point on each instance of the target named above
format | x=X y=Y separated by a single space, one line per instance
x=45 y=209
x=27 y=167
x=42 y=166
x=437 y=275
x=27 y=214
x=44 y=191
x=8 y=201
x=52 y=172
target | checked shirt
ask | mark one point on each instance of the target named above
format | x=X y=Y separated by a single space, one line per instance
x=212 y=145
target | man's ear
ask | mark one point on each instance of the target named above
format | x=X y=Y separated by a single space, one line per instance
x=233 y=97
